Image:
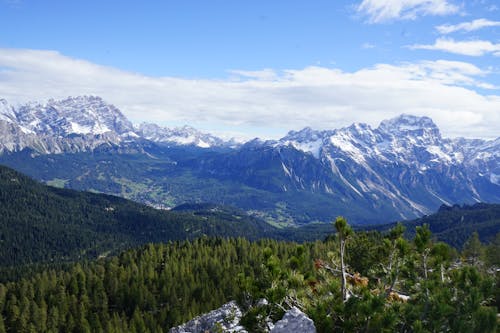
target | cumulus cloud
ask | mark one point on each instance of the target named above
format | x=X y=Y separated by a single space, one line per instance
x=266 y=102
x=467 y=26
x=378 y=11
x=473 y=48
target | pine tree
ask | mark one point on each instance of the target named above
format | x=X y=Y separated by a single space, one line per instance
x=343 y=232
x=473 y=249
x=399 y=249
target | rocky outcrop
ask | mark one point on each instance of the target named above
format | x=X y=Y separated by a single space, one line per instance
x=225 y=319
x=294 y=320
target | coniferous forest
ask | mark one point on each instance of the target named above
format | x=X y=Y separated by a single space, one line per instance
x=400 y=279
x=392 y=284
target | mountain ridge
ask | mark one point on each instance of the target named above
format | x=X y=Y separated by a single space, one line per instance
x=401 y=169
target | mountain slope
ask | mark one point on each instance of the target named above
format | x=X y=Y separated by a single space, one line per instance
x=40 y=223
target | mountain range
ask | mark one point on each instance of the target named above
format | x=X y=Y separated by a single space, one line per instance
x=402 y=169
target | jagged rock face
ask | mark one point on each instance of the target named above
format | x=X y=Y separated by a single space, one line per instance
x=226 y=319
x=294 y=320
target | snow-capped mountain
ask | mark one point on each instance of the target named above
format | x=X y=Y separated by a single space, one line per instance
x=403 y=166
x=83 y=115
x=81 y=124
x=185 y=135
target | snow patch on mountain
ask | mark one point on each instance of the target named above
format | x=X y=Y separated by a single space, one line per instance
x=306 y=140
x=439 y=154
x=347 y=145
x=311 y=147
x=495 y=179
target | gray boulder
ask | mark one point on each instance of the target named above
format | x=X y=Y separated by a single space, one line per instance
x=224 y=319
x=294 y=320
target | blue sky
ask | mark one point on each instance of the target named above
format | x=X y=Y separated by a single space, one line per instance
x=260 y=68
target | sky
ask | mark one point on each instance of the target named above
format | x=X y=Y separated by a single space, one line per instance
x=261 y=68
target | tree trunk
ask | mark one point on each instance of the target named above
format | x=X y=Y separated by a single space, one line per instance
x=342 y=268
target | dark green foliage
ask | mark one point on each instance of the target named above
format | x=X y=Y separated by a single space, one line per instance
x=455 y=224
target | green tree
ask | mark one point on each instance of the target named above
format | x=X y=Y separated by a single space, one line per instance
x=473 y=249
x=442 y=253
x=423 y=245
x=344 y=230
x=492 y=252
x=398 y=250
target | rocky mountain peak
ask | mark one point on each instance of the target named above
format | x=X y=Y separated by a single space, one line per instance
x=304 y=135
x=409 y=125
x=92 y=115
x=82 y=115
x=185 y=135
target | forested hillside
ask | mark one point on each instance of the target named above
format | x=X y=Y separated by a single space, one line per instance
x=39 y=223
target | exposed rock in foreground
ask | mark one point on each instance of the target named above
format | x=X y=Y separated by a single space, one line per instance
x=224 y=319
x=294 y=320
x=227 y=319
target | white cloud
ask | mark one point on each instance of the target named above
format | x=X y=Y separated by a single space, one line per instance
x=470 y=48
x=265 y=74
x=467 y=26
x=266 y=102
x=379 y=11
